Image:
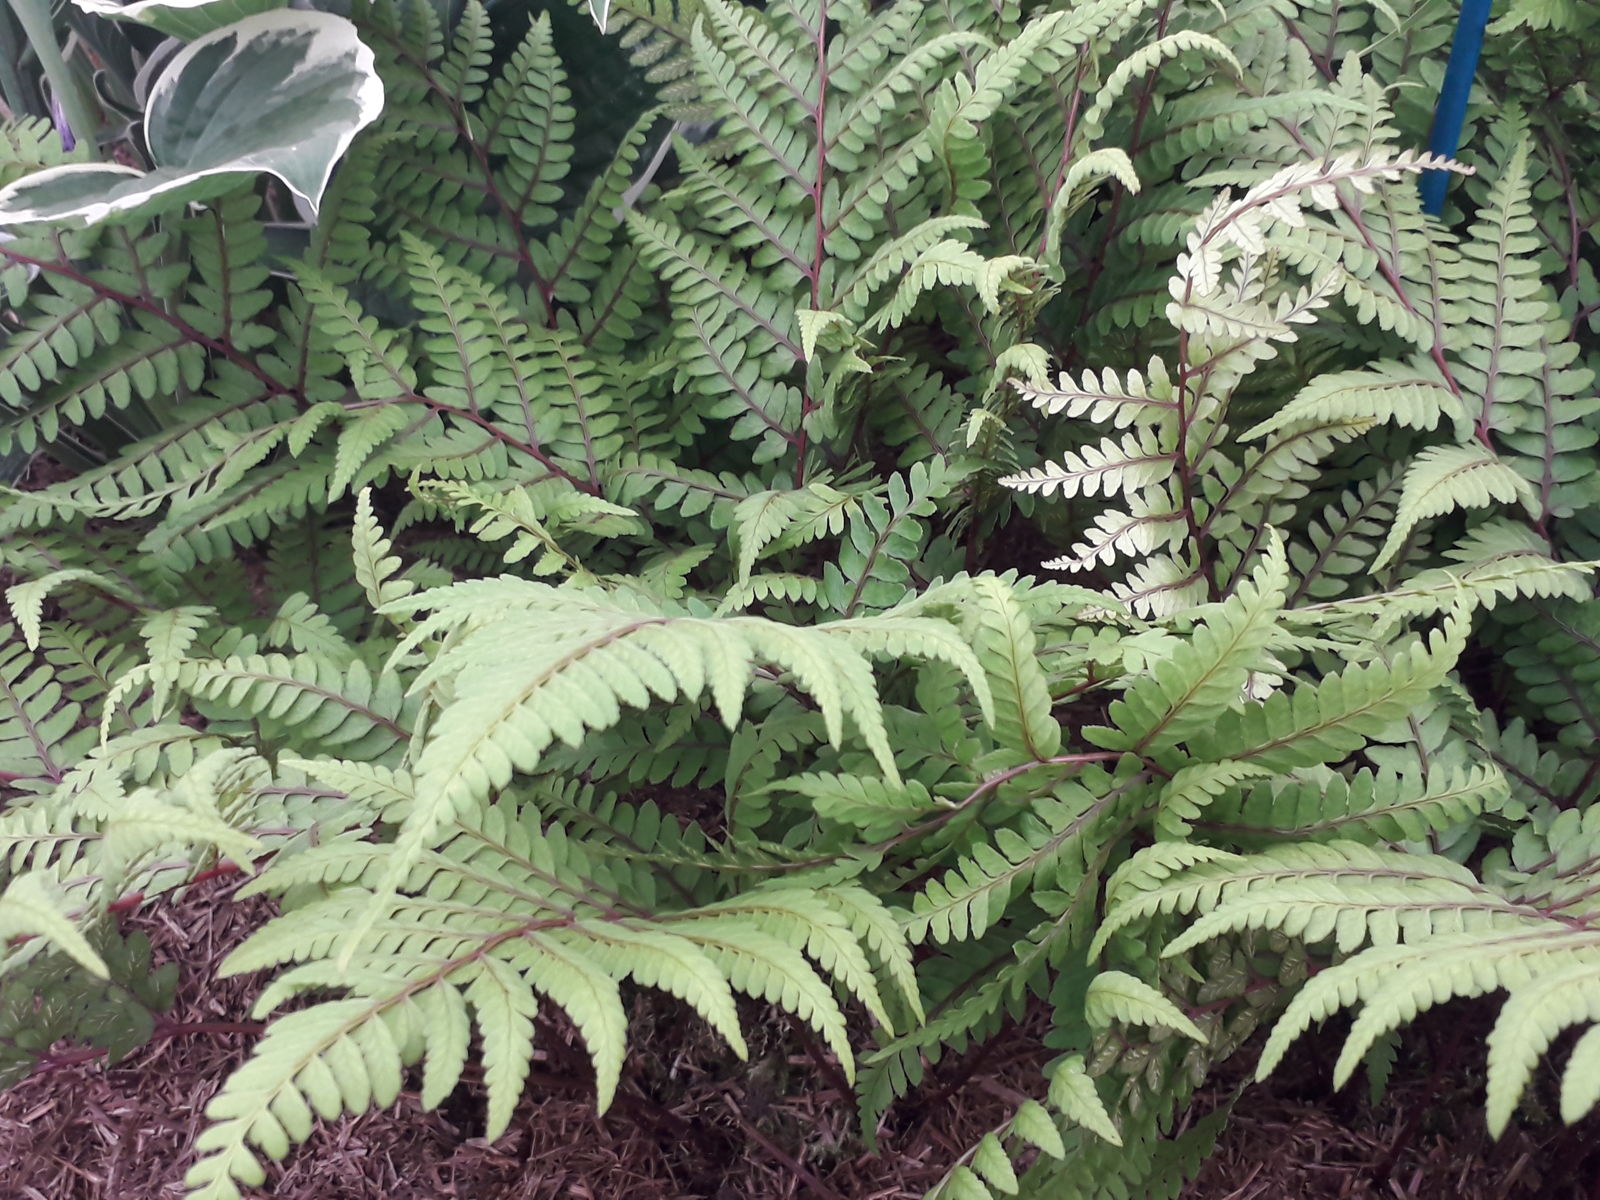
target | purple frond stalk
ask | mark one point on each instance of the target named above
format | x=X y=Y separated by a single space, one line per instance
x=59 y=117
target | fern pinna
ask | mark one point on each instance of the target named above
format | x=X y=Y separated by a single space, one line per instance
x=400 y=561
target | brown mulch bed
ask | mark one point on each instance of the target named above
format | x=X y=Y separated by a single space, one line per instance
x=691 y=1124
x=1426 y=1139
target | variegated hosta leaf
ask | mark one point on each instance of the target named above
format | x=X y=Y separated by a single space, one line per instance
x=282 y=92
x=186 y=19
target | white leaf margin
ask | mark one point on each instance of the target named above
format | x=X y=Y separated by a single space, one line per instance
x=183 y=19
x=369 y=99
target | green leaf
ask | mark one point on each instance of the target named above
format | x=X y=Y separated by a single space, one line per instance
x=1116 y=996
x=1580 y=1086
x=450 y=1032
x=1206 y=675
x=375 y=567
x=964 y=1184
x=1033 y=1125
x=27 y=599
x=589 y=995
x=282 y=92
x=1072 y=1091
x=505 y=1007
x=989 y=1160
x=143 y=822
x=184 y=19
x=1008 y=650
x=1444 y=478
x=27 y=907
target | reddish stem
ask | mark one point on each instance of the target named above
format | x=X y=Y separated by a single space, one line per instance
x=163 y=1029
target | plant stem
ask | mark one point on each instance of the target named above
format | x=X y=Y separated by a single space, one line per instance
x=12 y=92
x=34 y=17
x=69 y=1058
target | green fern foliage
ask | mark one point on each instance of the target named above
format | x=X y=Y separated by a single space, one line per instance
x=500 y=916
x=589 y=559
x=1414 y=930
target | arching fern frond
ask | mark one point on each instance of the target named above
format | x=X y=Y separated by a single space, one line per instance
x=1414 y=930
x=504 y=914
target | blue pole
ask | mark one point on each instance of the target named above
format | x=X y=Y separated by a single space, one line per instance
x=1451 y=114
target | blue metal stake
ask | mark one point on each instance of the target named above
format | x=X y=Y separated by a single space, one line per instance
x=1451 y=114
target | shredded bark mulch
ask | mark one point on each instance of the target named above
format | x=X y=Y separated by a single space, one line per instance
x=691 y=1123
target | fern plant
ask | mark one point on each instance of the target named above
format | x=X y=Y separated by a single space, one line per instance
x=796 y=307
x=399 y=569
x=1199 y=501
x=499 y=876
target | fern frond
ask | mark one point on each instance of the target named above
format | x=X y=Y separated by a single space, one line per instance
x=1051 y=845
x=1137 y=461
x=1325 y=804
x=1207 y=674
x=1442 y=479
x=507 y=912
x=40 y=726
x=1310 y=724
x=1116 y=996
x=1139 y=398
x=1409 y=394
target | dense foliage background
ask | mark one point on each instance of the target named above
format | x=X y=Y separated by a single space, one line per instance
x=908 y=516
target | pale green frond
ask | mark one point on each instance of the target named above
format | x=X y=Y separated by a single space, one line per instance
x=27 y=600
x=1131 y=463
x=588 y=994
x=1443 y=479
x=1206 y=674
x=1531 y=1019
x=1412 y=394
x=1153 y=522
x=334 y=1057
x=809 y=923
x=390 y=791
x=444 y=1014
x=29 y=908
x=299 y=625
x=375 y=567
x=991 y=1164
x=1074 y=1095
x=1580 y=1085
x=1396 y=806
x=1008 y=649
x=1148 y=58
x=1034 y=1125
x=1309 y=724
x=760 y=965
x=1194 y=789
x=875 y=807
x=1117 y=996
x=503 y=1008
x=1137 y=398
x=675 y=965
